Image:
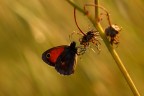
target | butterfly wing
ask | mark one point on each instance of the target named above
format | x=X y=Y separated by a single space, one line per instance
x=50 y=56
x=67 y=60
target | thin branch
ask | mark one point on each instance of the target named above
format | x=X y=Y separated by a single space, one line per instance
x=76 y=22
x=75 y=6
x=115 y=55
x=96 y=11
x=119 y=63
x=109 y=46
x=96 y=14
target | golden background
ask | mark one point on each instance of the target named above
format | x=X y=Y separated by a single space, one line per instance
x=29 y=27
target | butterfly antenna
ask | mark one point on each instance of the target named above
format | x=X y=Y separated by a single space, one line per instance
x=101 y=7
x=76 y=22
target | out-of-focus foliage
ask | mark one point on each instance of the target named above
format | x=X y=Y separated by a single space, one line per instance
x=29 y=27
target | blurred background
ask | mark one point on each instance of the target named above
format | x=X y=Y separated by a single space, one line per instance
x=29 y=27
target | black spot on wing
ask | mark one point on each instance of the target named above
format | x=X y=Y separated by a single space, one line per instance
x=45 y=59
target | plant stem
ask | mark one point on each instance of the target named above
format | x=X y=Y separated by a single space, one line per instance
x=109 y=46
x=118 y=62
x=115 y=55
x=96 y=11
x=77 y=7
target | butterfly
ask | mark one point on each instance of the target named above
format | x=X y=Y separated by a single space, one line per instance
x=63 y=58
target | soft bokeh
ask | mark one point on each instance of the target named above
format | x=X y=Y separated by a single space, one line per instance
x=29 y=27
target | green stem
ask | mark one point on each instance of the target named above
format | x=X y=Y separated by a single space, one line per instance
x=115 y=55
x=109 y=46
x=77 y=7
x=118 y=62
x=96 y=11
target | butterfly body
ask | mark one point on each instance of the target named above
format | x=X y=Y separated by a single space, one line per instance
x=63 y=58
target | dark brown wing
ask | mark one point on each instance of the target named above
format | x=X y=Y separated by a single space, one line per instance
x=67 y=60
